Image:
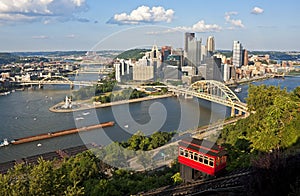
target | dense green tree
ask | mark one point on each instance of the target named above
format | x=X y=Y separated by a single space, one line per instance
x=41 y=179
x=273 y=125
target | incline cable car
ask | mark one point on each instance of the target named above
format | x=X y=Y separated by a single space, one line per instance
x=198 y=156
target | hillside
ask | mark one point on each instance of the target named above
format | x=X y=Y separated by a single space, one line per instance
x=132 y=54
x=7 y=58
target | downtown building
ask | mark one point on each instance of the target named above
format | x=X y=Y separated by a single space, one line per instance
x=237 y=54
x=210 y=45
x=149 y=67
x=192 y=50
x=123 y=70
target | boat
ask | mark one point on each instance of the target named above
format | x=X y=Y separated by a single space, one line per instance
x=79 y=118
x=39 y=145
x=61 y=133
x=85 y=113
x=4 y=143
x=237 y=90
x=126 y=126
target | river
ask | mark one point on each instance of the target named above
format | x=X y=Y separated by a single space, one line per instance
x=26 y=113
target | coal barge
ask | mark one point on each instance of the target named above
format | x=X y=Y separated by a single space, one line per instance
x=61 y=133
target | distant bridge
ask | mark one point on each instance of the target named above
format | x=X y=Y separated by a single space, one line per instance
x=213 y=91
x=57 y=80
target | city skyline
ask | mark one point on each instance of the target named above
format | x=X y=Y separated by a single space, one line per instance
x=89 y=25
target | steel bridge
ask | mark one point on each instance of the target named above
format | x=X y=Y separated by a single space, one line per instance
x=57 y=80
x=213 y=91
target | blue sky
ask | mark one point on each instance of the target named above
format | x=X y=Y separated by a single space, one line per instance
x=50 y=25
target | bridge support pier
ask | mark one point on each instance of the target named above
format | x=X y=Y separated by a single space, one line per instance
x=232 y=112
x=186 y=96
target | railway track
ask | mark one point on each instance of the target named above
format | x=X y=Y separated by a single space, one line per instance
x=229 y=183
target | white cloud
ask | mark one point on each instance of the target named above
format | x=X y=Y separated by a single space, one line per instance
x=143 y=14
x=200 y=27
x=39 y=10
x=233 y=22
x=71 y=36
x=257 y=10
x=40 y=37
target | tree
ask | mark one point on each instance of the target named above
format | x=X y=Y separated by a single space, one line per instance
x=41 y=179
x=176 y=178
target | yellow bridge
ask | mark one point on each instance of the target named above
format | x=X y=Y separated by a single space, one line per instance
x=213 y=91
x=57 y=80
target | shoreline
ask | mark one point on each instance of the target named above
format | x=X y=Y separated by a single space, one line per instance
x=85 y=106
x=245 y=81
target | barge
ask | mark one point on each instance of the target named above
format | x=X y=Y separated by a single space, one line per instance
x=60 y=133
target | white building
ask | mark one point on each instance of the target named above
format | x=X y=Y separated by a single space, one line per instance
x=122 y=69
x=210 y=44
x=237 y=57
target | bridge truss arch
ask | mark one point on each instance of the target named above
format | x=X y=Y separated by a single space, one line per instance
x=218 y=92
x=48 y=78
x=214 y=88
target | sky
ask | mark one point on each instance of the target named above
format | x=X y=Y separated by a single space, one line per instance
x=54 y=25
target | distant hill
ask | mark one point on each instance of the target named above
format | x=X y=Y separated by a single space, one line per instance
x=132 y=54
x=6 y=58
x=274 y=55
x=51 y=53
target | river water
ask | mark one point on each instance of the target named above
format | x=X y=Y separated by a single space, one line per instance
x=26 y=113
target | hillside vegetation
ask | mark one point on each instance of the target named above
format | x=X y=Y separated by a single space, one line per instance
x=132 y=54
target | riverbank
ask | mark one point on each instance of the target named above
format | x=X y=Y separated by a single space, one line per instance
x=85 y=105
x=244 y=80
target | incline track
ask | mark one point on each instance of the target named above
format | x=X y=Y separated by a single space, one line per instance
x=231 y=182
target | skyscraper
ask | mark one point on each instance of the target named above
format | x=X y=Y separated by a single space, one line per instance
x=187 y=38
x=237 y=56
x=245 y=57
x=210 y=44
x=192 y=49
x=165 y=52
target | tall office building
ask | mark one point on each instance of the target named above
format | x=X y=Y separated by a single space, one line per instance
x=187 y=38
x=237 y=56
x=203 y=52
x=192 y=49
x=165 y=52
x=123 y=70
x=245 y=57
x=210 y=44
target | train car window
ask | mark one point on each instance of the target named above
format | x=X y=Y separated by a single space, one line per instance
x=211 y=162
x=195 y=156
x=205 y=160
x=218 y=161
x=223 y=159
x=186 y=153
x=191 y=155
x=200 y=158
x=181 y=152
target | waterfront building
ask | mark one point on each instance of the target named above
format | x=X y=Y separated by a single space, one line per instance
x=212 y=69
x=237 y=59
x=123 y=70
x=144 y=72
x=148 y=68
